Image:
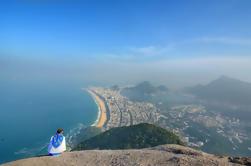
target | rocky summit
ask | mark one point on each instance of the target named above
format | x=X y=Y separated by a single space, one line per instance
x=173 y=155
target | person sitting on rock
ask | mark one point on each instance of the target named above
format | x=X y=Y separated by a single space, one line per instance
x=57 y=143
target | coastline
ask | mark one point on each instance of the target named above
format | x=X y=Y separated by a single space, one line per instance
x=101 y=117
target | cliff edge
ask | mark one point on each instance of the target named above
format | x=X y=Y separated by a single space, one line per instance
x=173 y=155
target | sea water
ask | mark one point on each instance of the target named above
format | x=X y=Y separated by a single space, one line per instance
x=30 y=114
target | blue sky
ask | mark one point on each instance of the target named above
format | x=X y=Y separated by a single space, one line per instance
x=133 y=31
x=91 y=28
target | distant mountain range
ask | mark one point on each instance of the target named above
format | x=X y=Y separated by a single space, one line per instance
x=224 y=89
x=137 y=136
x=143 y=91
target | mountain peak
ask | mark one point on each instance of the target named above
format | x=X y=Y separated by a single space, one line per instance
x=224 y=79
x=229 y=81
x=145 y=84
x=160 y=155
x=225 y=89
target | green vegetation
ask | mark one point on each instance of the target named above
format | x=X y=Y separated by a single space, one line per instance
x=130 y=137
x=85 y=134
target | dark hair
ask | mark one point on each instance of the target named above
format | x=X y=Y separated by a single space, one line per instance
x=60 y=130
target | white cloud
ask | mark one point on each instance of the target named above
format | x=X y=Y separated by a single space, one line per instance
x=138 y=54
x=186 y=48
x=151 y=50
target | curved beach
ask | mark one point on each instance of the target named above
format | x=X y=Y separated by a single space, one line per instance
x=101 y=119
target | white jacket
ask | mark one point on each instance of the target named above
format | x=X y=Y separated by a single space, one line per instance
x=52 y=150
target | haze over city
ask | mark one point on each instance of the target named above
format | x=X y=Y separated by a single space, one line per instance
x=174 y=43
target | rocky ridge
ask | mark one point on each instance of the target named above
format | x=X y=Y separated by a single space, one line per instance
x=173 y=155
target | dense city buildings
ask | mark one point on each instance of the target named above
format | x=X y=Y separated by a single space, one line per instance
x=123 y=112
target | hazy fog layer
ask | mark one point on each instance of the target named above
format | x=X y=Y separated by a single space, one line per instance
x=175 y=73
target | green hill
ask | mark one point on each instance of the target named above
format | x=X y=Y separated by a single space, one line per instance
x=137 y=136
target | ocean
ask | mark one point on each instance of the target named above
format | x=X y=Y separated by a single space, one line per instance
x=30 y=114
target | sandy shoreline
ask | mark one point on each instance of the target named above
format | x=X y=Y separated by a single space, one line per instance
x=101 y=118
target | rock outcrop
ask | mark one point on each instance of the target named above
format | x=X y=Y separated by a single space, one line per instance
x=173 y=155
